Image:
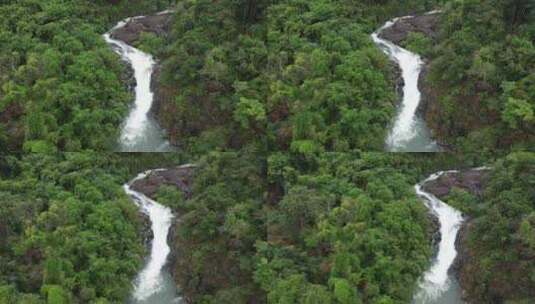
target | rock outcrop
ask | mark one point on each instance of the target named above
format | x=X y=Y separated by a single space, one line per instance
x=472 y=181
x=145 y=230
x=158 y=24
x=425 y=24
x=181 y=177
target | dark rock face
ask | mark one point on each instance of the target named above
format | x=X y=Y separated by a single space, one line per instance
x=163 y=104
x=426 y=24
x=472 y=181
x=433 y=232
x=10 y=120
x=180 y=177
x=465 y=258
x=128 y=78
x=155 y=88
x=130 y=33
x=145 y=230
x=397 y=79
x=429 y=105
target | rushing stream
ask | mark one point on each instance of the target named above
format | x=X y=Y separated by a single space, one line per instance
x=140 y=132
x=409 y=132
x=436 y=285
x=154 y=284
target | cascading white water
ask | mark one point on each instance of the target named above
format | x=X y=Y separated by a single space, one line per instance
x=153 y=285
x=436 y=285
x=409 y=132
x=140 y=133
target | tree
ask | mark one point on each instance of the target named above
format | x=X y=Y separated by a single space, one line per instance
x=344 y=293
x=518 y=112
x=250 y=113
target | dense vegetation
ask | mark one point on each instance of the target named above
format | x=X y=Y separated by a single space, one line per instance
x=501 y=233
x=485 y=64
x=347 y=229
x=328 y=228
x=283 y=230
x=279 y=75
x=68 y=233
x=268 y=75
x=296 y=88
x=218 y=227
x=344 y=228
x=287 y=75
x=60 y=84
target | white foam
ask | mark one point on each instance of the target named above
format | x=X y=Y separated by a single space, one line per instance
x=139 y=132
x=436 y=280
x=406 y=127
x=150 y=280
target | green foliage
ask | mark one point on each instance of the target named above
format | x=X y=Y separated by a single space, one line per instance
x=55 y=294
x=218 y=228
x=518 y=112
x=501 y=232
x=418 y=43
x=249 y=112
x=325 y=228
x=69 y=233
x=7 y=294
x=150 y=43
x=344 y=293
x=60 y=83
x=484 y=64
x=294 y=75
x=170 y=196
x=463 y=200
x=338 y=227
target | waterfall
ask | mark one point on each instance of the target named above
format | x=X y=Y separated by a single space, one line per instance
x=409 y=132
x=140 y=132
x=154 y=284
x=436 y=285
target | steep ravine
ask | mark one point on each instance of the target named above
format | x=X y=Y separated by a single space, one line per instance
x=437 y=285
x=155 y=283
x=440 y=186
x=409 y=131
x=140 y=131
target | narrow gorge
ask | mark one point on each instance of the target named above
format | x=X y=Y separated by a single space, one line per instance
x=154 y=283
x=437 y=285
x=140 y=131
x=409 y=132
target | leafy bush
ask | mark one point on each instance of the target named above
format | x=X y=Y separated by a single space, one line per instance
x=418 y=43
